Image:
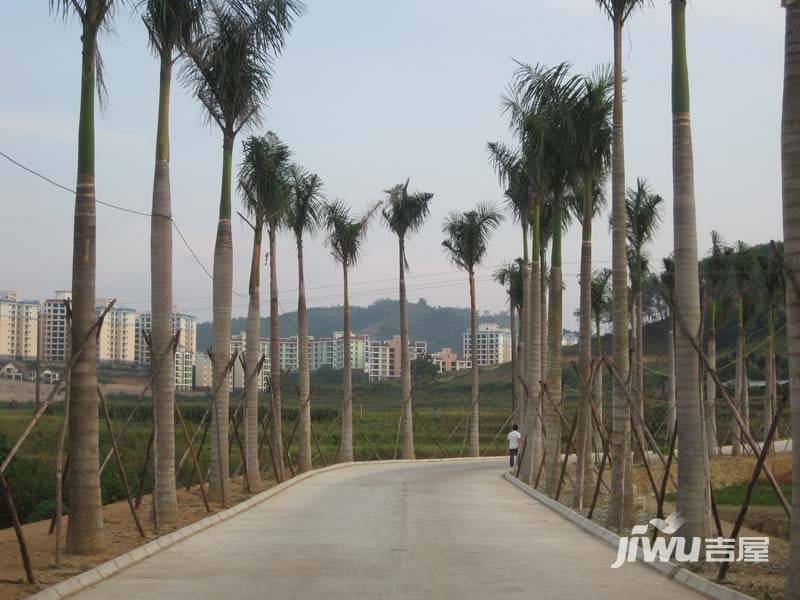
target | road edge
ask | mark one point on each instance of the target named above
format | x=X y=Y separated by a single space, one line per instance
x=108 y=569
x=667 y=569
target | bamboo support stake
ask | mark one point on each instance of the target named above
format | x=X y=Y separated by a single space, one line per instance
x=430 y=434
x=194 y=456
x=566 y=456
x=144 y=468
x=23 y=547
x=121 y=467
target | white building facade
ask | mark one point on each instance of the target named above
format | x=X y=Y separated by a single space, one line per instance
x=493 y=344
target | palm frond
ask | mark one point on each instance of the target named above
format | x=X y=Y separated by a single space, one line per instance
x=172 y=24
x=265 y=174
x=346 y=234
x=304 y=211
x=467 y=235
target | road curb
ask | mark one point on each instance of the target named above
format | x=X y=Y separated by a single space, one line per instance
x=111 y=567
x=667 y=569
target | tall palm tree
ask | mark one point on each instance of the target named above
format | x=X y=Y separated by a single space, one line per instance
x=230 y=72
x=694 y=500
x=592 y=122
x=404 y=213
x=619 y=514
x=346 y=235
x=466 y=244
x=255 y=210
x=265 y=172
x=790 y=162
x=516 y=169
x=509 y=275
x=303 y=217
x=643 y=216
x=601 y=309
x=551 y=96
x=85 y=526
x=171 y=26
x=772 y=280
x=742 y=263
x=717 y=265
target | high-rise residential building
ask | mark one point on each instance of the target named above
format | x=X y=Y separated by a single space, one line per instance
x=184 y=370
x=19 y=326
x=187 y=340
x=447 y=360
x=56 y=337
x=236 y=376
x=116 y=342
x=382 y=360
x=493 y=344
x=203 y=373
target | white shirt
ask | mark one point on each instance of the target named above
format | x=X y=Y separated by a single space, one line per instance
x=513 y=440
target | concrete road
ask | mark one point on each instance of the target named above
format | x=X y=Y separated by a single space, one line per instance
x=426 y=530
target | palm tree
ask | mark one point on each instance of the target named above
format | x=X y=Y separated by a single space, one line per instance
x=405 y=213
x=466 y=244
x=717 y=265
x=303 y=216
x=694 y=500
x=346 y=236
x=772 y=279
x=85 y=525
x=601 y=309
x=265 y=172
x=619 y=514
x=592 y=122
x=516 y=170
x=509 y=275
x=643 y=216
x=230 y=72
x=790 y=155
x=171 y=25
x=742 y=263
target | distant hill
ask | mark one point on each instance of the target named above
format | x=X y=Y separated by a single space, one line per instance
x=440 y=326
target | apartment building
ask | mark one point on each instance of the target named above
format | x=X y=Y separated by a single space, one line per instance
x=116 y=342
x=184 y=370
x=382 y=360
x=493 y=344
x=56 y=338
x=19 y=326
x=236 y=376
x=187 y=340
x=447 y=360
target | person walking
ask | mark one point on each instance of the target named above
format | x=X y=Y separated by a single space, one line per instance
x=513 y=444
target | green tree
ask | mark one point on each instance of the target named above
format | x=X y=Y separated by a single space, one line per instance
x=593 y=133
x=620 y=509
x=303 y=217
x=466 y=244
x=404 y=213
x=85 y=525
x=742 y=265
x=509 y=275
x=171 y=26
x=694 y=500
x=601 y=312
x=346 y=235
x=265 y=173
x=230 y=72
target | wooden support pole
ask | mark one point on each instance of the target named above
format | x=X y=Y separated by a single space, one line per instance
x=430 y=434
x=316 y=443
x=121 y=467
x=566 y=456
x=269 y=446
x=200 y=425
x=663 y=489
x=762 y=457
x=222 y=381
x=366 y=437
x=496 y=435
x=200 y=449
x=645 y=461
x=541 y=469
x=23 y=547
x=195 y=462
x=521 y=454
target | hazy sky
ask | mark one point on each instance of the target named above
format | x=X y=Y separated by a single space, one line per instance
x=367 y=93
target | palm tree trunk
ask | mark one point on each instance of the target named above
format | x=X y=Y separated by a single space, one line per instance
x=514 y=363
x=405 y=364
x=252 y=351
x=535 y=348
x=554 y=356
x=223 y=290
x=161 y=306
x=671 y=383
x=583 y=467
x=736 y=449
x=526 y=464
x=543 y=312
x=693 y=502
x=474 y=412
x=790 y=154
x=597 y=384
x=711 y=388
x=85 y=523
x=745 y=393
x=304 y=382
x=619 y=507
x=346 y=446
x=275 y=355
x=640 y=347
